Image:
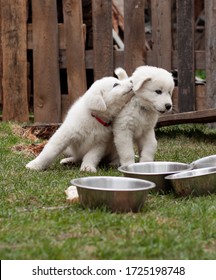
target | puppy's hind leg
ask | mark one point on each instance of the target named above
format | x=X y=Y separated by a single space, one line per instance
x=68 y=160
x=70 y=156
x=57 y=143
x=92 y=158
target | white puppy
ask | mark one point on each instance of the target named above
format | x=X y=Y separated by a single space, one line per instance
x=135 y=123
x=86 y=130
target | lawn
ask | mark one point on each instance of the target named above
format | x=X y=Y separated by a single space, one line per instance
x=38 y=223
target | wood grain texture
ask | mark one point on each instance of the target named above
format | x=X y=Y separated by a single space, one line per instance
x=186 y=66
x=102 y=38
x=1 y=65
x=161 y=34
x=134 y=34
x=118 y=55
x=210 y=12
x=75 y=48
x=47 y=98
x=201 y=98
x=204 y=116
x=14 y=45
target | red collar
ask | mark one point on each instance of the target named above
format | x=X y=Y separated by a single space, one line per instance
x=101 y=121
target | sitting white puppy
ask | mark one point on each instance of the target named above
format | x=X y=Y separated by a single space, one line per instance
x=135 y=123
x=86 y=130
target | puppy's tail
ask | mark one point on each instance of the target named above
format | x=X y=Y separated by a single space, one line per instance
x=121 y=73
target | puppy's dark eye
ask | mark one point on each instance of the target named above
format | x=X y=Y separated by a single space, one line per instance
x=116 y=84
x=158 y=91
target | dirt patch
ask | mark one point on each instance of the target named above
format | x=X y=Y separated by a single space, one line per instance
x=31 y=149
x=34 y=134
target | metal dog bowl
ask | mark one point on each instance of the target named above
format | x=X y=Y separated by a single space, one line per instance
x=118 y=194
x=194 y=182
x=209 y=161
x=154 y=171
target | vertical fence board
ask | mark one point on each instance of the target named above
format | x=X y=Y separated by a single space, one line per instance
x=161 y=33
x=210 y=13
x=1 y=65
x=200 y=97
x=185 y=42
x=75 y=48
x=134 y=34
x=47 y=98
x=102 y=38
x=14 y=45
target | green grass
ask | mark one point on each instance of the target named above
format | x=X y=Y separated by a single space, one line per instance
x=201 y=74
x=37 y=223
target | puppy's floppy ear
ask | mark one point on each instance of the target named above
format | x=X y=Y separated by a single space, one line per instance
x=139 y=83
x=96 y=102
x=121 y=73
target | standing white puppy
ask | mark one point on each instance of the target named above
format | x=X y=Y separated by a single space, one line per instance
x=135 y=123
x=86 y=131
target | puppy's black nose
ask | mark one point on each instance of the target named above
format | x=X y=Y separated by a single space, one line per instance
x=168 y=106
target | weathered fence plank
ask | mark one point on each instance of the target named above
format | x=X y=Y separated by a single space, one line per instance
x=203 y=116
x=1 y=66
x=134 y=34
x=118 y=55
x=13 y=36
x=210 y=13
x=185 y=43
x=201 y=98
x=47 y=99
x=102 y=38
x=75 y=49
x=161 y=33
x=60 y=45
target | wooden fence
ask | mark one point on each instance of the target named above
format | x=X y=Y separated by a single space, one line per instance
x=44 y=61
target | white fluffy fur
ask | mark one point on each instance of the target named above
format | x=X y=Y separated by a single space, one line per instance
x=83 y=137
x=135 y=123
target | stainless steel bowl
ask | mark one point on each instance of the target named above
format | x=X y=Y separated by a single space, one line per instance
x=118 y=194
x=194 y=182
x=154 y=171
x=209 y=161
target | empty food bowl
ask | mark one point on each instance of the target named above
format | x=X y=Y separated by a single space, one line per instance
x=200 y=181
x=154 y=171
x=209 y=161
x=118 y=194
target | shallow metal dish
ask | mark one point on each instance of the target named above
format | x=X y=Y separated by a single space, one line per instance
x=118 y=194
x=209 y=161
x=154 y=171
x=200 y=181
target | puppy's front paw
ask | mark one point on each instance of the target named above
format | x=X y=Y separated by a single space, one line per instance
x=34 y=165
x=88 y=168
